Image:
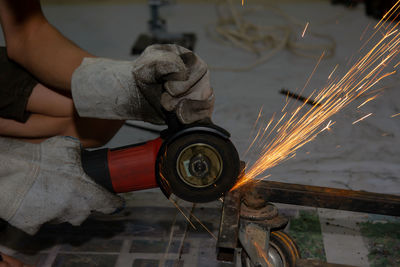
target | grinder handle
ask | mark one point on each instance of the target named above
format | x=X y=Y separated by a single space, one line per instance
x=123 y=169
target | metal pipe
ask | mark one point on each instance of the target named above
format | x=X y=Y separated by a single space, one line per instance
x=331 y=198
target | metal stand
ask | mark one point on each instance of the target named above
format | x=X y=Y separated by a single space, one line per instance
x=250 y=233
x=158 y=33
x=250 y=229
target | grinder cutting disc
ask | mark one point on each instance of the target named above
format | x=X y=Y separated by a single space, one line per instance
x=200 y=167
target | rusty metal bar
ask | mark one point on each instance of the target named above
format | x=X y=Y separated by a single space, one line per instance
x=229 y=227
x=331 y=198
x=317 y=263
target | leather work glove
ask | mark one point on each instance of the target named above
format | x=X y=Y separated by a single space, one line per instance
x=45 y=182
x=164 y=77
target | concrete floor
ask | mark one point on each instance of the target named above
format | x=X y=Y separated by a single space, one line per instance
x=364 y=156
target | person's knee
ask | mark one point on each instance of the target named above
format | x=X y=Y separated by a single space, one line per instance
x=18 y=38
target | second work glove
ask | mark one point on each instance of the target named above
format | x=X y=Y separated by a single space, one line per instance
x=45 y=182
x=164 y=77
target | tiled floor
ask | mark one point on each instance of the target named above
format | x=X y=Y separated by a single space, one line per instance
x=159 y=235
x=141 y=236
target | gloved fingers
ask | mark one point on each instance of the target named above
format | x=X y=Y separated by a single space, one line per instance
x=75 y=219
x=30 y=230
x=93 y=196
x=189 y=111
x=159 y=63
x=196 y=70
x=174 y=48
x=99 y=201
x=105 y=202
x=200 y=91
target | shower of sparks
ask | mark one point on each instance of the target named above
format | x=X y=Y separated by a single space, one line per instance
x=304 y=31
x=395 y=115
x=361 y=119
x=279 y=139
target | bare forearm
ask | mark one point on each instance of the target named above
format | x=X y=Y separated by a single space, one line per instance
x=37 y=45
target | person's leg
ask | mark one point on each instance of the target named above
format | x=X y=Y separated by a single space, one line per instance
x=48 y=102
x=53 y=114
x=37 y=126
x=11 y=262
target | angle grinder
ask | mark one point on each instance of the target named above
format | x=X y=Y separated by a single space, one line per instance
x=195 y=162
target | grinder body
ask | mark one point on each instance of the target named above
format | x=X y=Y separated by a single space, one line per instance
x=124 y=169
x=197 y=162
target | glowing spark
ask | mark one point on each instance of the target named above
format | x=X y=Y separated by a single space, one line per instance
x=304 y=31
x=395 y=115
x=366 y=101
x=208 y=230
x=295 y=128
x=261 y=252
x=393 y=32
x=384 y=16
x=202 y=224
x=366 y=116
x=365 y=30
x=330 y=75
x=315 y=68
x=184 y=215
x=327 y=127
x=242 y=2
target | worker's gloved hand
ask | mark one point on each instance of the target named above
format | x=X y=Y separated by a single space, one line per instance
x=45 y=182
x=166 y=77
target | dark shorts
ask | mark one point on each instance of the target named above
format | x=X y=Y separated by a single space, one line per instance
x=16 y=86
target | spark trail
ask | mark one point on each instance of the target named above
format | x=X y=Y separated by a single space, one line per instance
x=280 y=138
x=304 y=31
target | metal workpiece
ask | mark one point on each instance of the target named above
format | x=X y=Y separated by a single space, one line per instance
x=254 y=238
x=330 y=198
x=267 y=212
x=252 y=198
x=317 y=263
x=257 y=219
x=249 y=216
x=267 y=216
x=255 y=208
x=245 y=231
x=229 y=227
